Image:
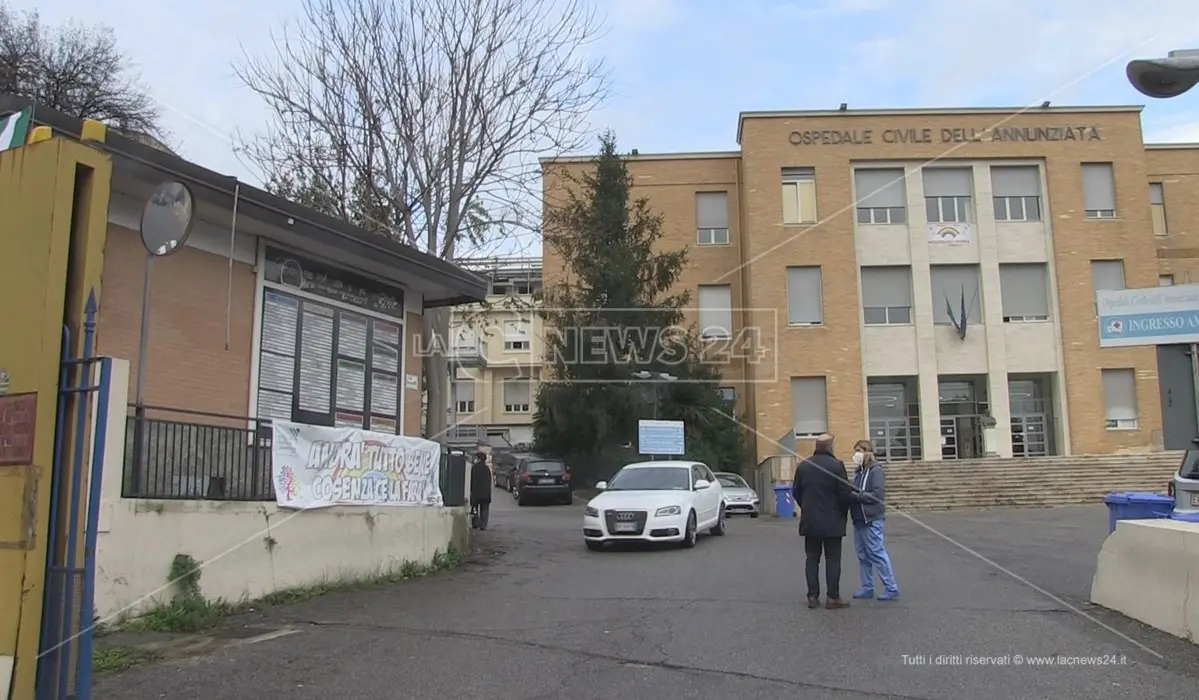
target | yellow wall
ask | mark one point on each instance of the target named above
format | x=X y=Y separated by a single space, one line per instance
x=37 y=203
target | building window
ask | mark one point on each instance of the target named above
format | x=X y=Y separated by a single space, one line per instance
x=1165 y=280
x=1120 y=399
x=1017 y=192
x=716 y=311
x=518 y=395
x=712 y=218
x=809 y=406
x=1107 y=274
x=955 y=286
x=805 y=303
x=1099 y=190
x=1024 y=289
x=947 y=195
x=727 y=393
x=507 y=285
x=516 y=336
x=886 y=295
x=1157 y=205
x=464 y=395
x=799 y=195
x=881 y=195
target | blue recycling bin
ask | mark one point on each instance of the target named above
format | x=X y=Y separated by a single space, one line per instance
x=1185 y=517
x=1136 y=506
x=784 y=504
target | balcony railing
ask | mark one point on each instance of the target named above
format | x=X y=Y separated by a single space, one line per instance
x=176 y=454
x=466 y=435
x=468 y=354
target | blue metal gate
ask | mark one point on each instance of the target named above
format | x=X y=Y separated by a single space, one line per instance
x=65 y=655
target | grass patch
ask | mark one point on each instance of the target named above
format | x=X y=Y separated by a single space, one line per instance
x=189 y=612
x=119 y=659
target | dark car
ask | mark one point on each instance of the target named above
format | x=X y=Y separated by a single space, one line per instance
x=504 y=470
x=536 y=478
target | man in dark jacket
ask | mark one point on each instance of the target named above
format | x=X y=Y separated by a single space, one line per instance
x=480 y=489
x=821 y=490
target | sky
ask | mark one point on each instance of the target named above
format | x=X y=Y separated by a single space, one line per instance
x=682 y=70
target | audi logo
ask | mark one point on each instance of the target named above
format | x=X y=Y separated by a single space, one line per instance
x=626 y=516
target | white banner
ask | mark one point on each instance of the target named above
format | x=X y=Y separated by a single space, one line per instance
x=317 y=467
x=950 y=234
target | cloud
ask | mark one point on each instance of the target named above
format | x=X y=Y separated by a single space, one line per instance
x=947 y=52
x=1183 y=129
x=683 y=69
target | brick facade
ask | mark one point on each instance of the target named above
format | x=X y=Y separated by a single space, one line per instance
x=762 y=247
x=190 y=367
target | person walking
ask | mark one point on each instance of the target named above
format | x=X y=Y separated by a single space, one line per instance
x=870 y=485
x=480 y=490
x=822 y=492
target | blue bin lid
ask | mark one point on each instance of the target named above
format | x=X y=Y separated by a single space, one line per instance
x=1185 y=517
x=782 y=487
x=1154 y=498
x=1116 y=499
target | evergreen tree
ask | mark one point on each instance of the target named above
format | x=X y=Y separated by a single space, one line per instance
x=618 y=312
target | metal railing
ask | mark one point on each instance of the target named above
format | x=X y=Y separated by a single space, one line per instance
x=177 y=454
x=466 y=434
x=191 y=455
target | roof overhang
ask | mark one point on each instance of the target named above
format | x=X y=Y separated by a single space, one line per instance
x=138 y=168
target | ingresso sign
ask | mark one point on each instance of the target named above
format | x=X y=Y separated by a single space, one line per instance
x=1153 y=316
x=925 y=135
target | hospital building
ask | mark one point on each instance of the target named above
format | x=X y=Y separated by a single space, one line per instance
x=916 y=275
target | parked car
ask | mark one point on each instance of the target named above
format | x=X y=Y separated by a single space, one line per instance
x=738 y=496
x=531 y=477
x=669 y=501
x=501 y=471
x=504 y=468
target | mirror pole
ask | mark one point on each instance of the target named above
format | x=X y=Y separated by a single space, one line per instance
x=144 y=339
x=139 y=413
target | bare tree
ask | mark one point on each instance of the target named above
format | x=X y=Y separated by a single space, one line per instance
x=423 y=120
x=75 y=69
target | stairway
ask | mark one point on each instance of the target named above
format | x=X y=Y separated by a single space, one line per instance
x=1031 y=483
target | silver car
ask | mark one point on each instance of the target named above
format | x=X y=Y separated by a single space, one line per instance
x=738 y=496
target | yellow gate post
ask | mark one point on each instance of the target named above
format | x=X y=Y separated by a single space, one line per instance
x=53 y=222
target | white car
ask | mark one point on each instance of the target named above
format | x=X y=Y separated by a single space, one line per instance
x=738 y=496
x=655 y=502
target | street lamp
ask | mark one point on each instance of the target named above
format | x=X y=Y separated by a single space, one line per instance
x=1165 y=77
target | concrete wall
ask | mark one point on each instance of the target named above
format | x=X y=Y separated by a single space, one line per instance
x=248 y=549
x=1146 y=570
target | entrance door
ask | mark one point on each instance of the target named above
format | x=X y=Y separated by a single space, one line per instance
x=1177 y=388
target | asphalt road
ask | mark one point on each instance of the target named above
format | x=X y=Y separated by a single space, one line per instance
x=538 y=616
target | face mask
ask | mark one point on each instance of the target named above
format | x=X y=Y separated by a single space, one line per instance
x=859 y=458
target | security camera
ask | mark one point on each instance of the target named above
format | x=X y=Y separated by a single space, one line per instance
x=1165 y=77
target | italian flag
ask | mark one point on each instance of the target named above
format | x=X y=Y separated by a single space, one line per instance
x=14 y=128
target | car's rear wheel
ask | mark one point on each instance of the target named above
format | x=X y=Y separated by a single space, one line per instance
x=569 y=500
x=753 y=515
x=689 y=534
x=718 y=528
x=594 y=546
